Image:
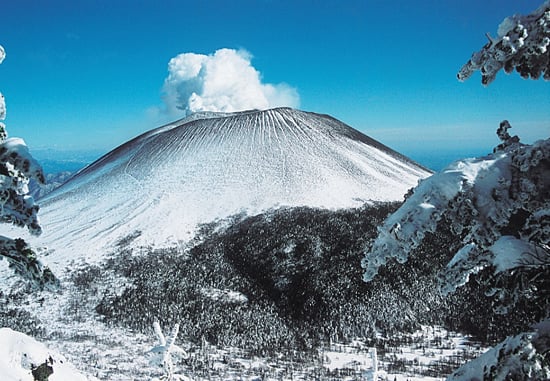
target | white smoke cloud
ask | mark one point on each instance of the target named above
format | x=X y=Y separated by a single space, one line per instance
x=223 y=82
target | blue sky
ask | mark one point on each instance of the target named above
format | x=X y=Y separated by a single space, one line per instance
x=89 y=74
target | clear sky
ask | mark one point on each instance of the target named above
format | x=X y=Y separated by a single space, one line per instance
x=90 y=74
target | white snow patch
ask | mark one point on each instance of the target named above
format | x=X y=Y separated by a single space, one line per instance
x=19 y=353
x=228 y=296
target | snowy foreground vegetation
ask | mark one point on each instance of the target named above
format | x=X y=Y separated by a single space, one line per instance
x=271 y=295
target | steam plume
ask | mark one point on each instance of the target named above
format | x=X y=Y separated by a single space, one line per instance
x=223 y=82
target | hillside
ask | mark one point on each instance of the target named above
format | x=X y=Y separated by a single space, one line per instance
x=159 y=186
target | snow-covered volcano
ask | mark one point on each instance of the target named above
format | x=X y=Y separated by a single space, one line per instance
x=209 y=166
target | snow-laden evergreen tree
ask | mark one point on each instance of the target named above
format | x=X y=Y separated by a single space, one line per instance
x=498 y=207
x=17 y=207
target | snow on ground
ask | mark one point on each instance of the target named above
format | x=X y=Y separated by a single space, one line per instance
x=22 y=359
x=426 y=354
x=116 y=354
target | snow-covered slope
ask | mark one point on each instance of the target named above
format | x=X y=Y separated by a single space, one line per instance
x=208 y=166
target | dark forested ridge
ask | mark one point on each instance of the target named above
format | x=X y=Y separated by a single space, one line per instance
x=296 y=272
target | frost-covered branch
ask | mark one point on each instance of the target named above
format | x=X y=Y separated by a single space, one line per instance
x=523 y=43
x=17 y=207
